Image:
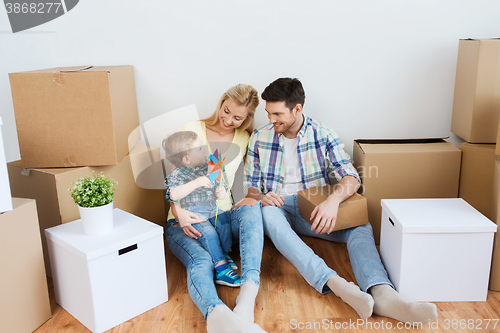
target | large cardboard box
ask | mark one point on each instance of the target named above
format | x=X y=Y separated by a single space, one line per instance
x=437 y=250
x=498 y=141
x=495 y=261
x=23 y=292
x=74 y=116
x=476 y=102
x=401 y=169
x=476 y=176
x=352 y=212
x=5 y=197
x=55 y=205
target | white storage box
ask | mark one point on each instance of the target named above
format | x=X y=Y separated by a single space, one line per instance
x=106 y=280
x=436 y=249
x=5 y=196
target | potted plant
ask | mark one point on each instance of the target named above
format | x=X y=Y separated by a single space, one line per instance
x=94 y=197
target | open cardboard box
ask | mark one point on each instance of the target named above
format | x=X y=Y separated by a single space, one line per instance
x=405 y=169
x=352 y=212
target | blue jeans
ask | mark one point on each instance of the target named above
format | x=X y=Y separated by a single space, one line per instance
x=215 y=239
x=246 y=225
x=283 y=225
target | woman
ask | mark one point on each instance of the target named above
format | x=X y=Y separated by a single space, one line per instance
x=227 y=130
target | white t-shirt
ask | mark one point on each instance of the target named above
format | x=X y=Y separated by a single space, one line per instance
x=293 y=180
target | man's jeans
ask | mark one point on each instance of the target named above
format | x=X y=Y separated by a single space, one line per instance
x=216 y=239
x=282 y=226
x=246 y=225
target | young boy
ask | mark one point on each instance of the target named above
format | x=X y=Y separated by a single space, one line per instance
x=188 y=184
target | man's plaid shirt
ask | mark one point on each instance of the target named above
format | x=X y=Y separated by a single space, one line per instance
x=320 y=151
x=183 y=175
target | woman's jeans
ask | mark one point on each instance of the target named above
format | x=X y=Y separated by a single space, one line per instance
x=246 y=225
x=283 y=225
x=217 y=238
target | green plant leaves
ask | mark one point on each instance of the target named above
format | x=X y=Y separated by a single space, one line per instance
x=93 y=191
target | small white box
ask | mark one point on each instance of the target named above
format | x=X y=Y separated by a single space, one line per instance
x=106 y=280
x=5 y=195
x=436 y=250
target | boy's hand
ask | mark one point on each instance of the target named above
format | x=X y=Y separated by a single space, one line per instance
x=202 y=181
x=220 y=192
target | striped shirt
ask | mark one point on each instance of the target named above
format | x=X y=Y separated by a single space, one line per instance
x=321 y=155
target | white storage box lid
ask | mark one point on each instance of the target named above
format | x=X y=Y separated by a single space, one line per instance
x=453 y=215
x=128 y=230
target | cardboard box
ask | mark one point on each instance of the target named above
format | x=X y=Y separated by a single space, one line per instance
x=23 y=291
x=74 y=116
x=55 y=205
x=112 y=278
x=476 y=102
x=495 y=261
x=498 y=141
x=352 y=212
x=436 y=250
x=476 y=176
x=5 y=197
x=404 y=169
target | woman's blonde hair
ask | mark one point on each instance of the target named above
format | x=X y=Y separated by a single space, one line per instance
x=241 y=94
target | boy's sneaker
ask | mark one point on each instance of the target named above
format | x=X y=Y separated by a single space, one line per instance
x=224 y=275
x=230 y=261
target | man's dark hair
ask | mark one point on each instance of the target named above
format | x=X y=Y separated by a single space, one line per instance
x=286 y=90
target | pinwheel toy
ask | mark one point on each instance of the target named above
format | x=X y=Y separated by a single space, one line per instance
x=215 y=170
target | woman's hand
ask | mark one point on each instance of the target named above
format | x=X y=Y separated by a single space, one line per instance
x=186 y=218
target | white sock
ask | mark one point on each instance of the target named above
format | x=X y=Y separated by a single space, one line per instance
x=223 y=320
x=389 y=303
x=245 y=302
x=350 y=293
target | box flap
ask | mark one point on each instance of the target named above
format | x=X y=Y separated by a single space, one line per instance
x=394 y=146
x=128 y=230
x=402 y=141
x=88 y=68
x=423 y=216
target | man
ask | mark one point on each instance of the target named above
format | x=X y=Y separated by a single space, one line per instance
x=293 y=153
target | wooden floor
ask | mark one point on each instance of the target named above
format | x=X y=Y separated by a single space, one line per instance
x=286 y=303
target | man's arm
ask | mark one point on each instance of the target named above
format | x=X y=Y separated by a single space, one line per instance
x=269 y=199
x=253 y=177
x=325 y=214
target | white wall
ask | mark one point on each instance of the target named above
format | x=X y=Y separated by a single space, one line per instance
x=371 y=69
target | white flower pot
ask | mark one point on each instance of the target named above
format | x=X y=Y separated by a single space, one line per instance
x=97 y=220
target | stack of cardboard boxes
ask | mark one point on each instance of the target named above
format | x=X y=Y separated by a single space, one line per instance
x=23 y=291
x=476 y=116
x=434 y=168
x=73 y=121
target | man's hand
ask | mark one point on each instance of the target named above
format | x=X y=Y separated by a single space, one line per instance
x=325 y=216
x=220 y=192
x=269 y=199
x=272 y=199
